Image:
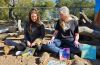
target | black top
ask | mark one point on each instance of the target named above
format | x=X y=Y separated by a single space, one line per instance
x=36 y=31
x=69 y=30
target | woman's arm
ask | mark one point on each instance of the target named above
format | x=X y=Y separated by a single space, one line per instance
x=54 y=34
x=57 y=25
x=76 y=35
x=26 y=35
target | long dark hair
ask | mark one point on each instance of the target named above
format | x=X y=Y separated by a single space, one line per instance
x=37 y=22
x=34 y=10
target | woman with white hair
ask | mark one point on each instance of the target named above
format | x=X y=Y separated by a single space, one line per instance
x=66 y=33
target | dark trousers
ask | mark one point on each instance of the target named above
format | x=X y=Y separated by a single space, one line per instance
x=19 y=46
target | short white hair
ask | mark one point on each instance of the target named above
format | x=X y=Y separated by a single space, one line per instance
x=64 y=10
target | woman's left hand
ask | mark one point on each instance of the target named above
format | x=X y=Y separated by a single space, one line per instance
x=37 y=42
x=28 y=44
x=76 y=43
x=33 y=44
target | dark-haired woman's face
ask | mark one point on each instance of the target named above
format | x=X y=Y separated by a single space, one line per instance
x=34 y=17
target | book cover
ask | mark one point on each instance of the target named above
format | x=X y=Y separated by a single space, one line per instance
x=88 y=51
x=64 y=54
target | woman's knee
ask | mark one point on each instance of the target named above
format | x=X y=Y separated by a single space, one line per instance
x=50 y=47
x=57 y=42
x=75 y=50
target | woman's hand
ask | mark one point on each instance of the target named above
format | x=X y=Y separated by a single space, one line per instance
x=54 y=35
x=37 y=42
x=33 y=44
x=51 y=41
x=76 y=43
x=28 y=44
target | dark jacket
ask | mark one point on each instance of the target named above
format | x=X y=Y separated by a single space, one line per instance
x=37 y=31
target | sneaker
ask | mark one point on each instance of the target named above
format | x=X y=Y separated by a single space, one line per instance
x=18 y=53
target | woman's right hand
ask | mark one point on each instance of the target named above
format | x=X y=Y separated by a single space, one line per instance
x=51 y=41
x=55 y=33
x=28 y=44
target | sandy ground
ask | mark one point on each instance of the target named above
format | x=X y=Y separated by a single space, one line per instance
x=10 y=59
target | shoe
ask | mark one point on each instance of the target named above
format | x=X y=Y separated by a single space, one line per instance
x=18 y=53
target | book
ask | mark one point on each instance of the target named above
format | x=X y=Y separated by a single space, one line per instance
x=28 y=51
x=88 y=51
x=64 y=54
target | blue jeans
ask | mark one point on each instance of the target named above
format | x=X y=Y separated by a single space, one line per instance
x=52 y=47
x=57 y=45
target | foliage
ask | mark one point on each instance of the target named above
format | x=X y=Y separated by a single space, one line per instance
x=89 y=12
x=47 y=7
x=87 y=4
x=49 y=4
x=43 y=3
x=3 y=11
x=22 y=8
x=67 y=3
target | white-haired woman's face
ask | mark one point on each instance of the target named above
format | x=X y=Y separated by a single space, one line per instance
x=63 y=16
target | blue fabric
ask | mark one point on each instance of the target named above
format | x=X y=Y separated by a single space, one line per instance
x=52 y=47
x=19 y=46
x=97 y=6
x=57 y=45
x=10 y=42
x=88 y=51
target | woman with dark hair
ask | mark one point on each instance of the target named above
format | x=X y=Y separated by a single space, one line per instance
x=34 y=32
x=34 y=28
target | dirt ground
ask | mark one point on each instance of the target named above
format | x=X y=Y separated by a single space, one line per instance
x=10 y=59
